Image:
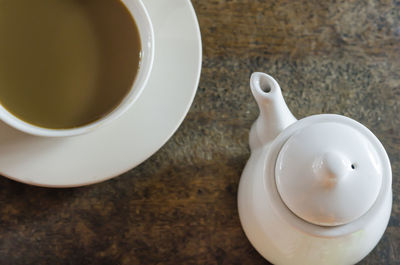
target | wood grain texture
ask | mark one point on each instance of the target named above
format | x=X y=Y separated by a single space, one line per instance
x=179 y=207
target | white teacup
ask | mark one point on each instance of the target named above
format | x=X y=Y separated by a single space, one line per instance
x=143 y=22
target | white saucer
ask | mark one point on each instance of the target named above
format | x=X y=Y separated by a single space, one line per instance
x=128 y=141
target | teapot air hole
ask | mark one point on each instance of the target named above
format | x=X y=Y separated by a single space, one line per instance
x=353 y=166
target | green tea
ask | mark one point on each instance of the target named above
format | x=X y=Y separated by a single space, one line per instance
x=66 y=63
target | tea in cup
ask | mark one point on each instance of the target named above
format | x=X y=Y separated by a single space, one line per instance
x=69 y=66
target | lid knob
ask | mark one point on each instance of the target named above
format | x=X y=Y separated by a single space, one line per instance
x=328 y=173
x=331 y=168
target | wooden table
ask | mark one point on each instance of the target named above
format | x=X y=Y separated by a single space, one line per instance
x=179 y=207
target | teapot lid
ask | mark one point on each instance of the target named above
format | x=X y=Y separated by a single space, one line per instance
x=329 y=173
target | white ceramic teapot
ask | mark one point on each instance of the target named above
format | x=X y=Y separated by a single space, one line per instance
x=314 y=191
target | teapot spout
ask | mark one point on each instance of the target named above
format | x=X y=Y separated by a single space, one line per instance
x=274 y=116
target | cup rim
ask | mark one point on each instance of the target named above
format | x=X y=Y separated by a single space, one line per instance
x=146 y=33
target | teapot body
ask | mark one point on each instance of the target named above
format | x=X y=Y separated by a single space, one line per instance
x=280 y=236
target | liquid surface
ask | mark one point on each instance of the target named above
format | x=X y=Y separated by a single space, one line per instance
x=66 y=63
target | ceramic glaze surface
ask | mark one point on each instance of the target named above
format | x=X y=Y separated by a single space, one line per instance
x=328 y=174
x=314 y=191
x=129 y=140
